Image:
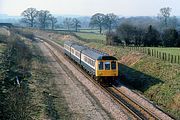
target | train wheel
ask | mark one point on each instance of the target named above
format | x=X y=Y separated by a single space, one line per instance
x=101 y=81
x=96 y=78
x=92 y=76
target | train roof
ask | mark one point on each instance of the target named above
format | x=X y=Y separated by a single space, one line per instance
x=106 y=58
x=78 y=47
x=69 y=42
x=94 y=54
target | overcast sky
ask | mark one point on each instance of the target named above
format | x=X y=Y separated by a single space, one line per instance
x=90 y=7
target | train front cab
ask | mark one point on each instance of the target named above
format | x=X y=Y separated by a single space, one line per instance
x=107 y=69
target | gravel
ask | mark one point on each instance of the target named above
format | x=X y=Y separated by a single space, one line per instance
x=81 y=104
x=99 y=97
x=144 y=102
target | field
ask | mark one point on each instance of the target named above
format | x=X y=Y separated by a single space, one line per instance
x=98 y=37
x=82 y=30
x=91 y=37
x=90 y=30
x=171 y=55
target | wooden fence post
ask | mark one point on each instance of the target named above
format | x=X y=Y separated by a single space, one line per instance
x=160 y=55
x=165 y=56
x=155 y=53
x=149 y=51
x=171 y=58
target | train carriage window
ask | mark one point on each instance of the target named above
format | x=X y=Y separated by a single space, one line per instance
x=67 y=47
x=93 y=63
x=113 y=65
x=72 y=50
x=107 y=65
x=77 y=54
x=100 y=66
x=85 y=59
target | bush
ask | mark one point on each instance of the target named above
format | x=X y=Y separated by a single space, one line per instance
x=3 y=38
x=25 y=33
x=112 y=39
x=15 y=62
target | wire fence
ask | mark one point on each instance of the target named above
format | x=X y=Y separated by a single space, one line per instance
x=158 y=54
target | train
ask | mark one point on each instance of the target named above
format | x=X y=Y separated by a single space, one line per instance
x=101 y=66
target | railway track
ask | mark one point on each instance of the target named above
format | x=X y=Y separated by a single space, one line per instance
x=135 y=109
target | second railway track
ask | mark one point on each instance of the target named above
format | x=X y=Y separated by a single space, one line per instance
x=135 y=109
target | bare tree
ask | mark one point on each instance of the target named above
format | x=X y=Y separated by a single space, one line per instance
x=76 y=23
x=68 y=23
x=165 y=14
x=29 y=16
x=53 y=21
x=97 y=20
x=110 y=21
x=44 y=18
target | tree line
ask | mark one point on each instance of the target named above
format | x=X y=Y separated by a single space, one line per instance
x=130 y=35
x=43 y=19
x=165 y=34
x=40 y=19
x=143 y=31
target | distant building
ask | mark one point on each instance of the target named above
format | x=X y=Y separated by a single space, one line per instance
x=9 y=25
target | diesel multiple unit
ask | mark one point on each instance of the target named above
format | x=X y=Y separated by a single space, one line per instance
x=99 y=65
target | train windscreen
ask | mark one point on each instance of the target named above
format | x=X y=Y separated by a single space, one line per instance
x=113 y=65
x=107 y=65
x=101 y=66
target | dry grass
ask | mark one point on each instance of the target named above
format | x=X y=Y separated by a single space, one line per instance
x=4 y=31
x=24 y=101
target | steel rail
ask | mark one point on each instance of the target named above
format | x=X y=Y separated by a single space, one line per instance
x=135 y=109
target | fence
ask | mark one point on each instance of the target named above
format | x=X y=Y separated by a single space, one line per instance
x=158 y=54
